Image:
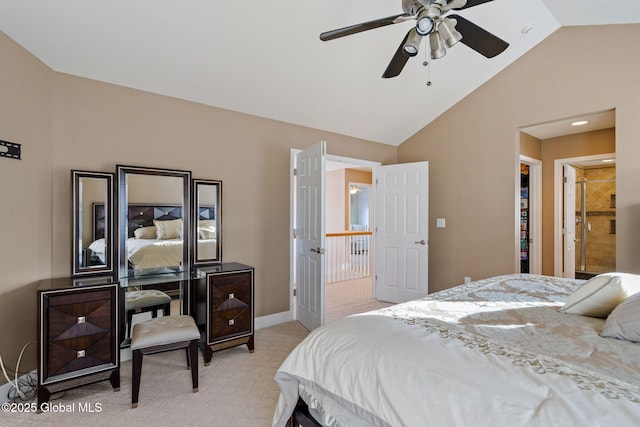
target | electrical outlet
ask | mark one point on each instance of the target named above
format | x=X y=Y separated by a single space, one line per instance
x=467 y=279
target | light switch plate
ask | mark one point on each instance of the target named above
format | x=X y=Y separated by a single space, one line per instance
x=440 y=222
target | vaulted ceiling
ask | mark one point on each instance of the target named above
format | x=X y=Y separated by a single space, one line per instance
x=266 y=59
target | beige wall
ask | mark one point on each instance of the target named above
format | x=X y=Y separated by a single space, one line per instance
x=65 y=122
x=530 y=146
x=473 y=148
x=25 y=194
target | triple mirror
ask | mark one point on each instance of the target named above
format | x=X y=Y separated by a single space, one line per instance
x=163 y=222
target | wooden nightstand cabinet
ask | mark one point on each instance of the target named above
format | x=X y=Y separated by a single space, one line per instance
x=77 y=334
x=227 y=312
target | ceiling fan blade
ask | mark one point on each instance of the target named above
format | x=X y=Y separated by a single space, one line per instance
x=471 y=3
x=478 y=39
x=370 y=25
x=398 y=61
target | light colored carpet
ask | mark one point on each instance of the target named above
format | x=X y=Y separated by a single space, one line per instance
x=350 y=297
x=236 y=389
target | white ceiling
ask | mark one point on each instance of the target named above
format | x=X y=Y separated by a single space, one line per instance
x=265 y=58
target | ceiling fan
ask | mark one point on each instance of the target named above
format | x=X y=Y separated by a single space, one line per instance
x=430 y=22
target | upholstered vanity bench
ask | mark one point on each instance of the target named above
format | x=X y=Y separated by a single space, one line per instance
x=162 y=334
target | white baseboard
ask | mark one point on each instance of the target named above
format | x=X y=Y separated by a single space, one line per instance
x=273 y=319
x=259 y=323
x=125 y=353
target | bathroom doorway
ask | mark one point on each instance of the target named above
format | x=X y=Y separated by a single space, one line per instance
x=595 y=218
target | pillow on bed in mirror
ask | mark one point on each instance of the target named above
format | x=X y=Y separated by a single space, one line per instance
x=207 y=228
x=170 y=229
x=598 y=296
x=624 y=321
x=145 y=233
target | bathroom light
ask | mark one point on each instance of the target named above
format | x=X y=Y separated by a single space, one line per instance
x=579 y=123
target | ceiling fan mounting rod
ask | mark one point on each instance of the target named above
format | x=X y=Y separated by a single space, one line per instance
x=413 y=7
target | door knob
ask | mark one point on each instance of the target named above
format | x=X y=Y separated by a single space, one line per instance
x=317 y=250
x=421 y=242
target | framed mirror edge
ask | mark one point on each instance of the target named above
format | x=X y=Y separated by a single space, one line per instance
x=121 y=173
x=195 y=212
x=108 y=205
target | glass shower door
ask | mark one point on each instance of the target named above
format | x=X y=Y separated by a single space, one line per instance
x=595 y=226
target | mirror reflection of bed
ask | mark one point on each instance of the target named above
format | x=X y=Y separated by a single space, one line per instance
x=91 y=247
x=153 y=242
x=206 y=200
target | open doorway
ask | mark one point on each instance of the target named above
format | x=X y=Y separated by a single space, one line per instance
x=586 y=243
x=567 y=146
x=401 y=219
x=349 y=239
x=348 y=247
x=530 y=215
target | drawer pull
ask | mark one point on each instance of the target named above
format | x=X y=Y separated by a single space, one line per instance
x=231 y=296
x=232 y=322
x=81 y=319
x=80 y=353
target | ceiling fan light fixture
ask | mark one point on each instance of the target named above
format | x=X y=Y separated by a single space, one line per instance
x=447 y=29
x=412 y=45
x=425 y=23
x=437 y=48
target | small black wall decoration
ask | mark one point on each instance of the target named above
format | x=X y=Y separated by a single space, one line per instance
x=10 y=150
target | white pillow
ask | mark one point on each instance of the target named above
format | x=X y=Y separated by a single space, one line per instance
x=624 y=321
x=145 y=233
x=207 y=228
x=598 y=296
x=171 y=229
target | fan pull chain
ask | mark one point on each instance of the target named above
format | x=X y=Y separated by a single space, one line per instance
x=427 y=64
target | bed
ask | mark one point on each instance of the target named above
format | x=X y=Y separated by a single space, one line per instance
x=154 y=235
x=512 y=350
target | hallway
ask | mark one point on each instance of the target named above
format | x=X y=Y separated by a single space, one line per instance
x=350 y=297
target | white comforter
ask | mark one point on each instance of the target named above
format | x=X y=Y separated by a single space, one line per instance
x=152 y=253
x=496 y=352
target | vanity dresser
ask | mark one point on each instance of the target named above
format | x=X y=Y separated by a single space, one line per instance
x=138 y=233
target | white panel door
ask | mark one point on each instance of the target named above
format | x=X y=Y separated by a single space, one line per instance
x=401 y=230
x=310 y=236
x=569 y=229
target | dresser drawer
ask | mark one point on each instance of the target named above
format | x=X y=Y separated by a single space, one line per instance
x=230 y=306
x=78 y=332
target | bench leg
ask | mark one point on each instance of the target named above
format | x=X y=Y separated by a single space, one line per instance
x=135 y=381
x=193 y=356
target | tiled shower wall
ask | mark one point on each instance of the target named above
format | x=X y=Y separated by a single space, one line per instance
x=601 y=215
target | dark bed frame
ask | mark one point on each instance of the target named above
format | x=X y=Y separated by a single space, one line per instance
x=143 y=215
x=301 y=416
